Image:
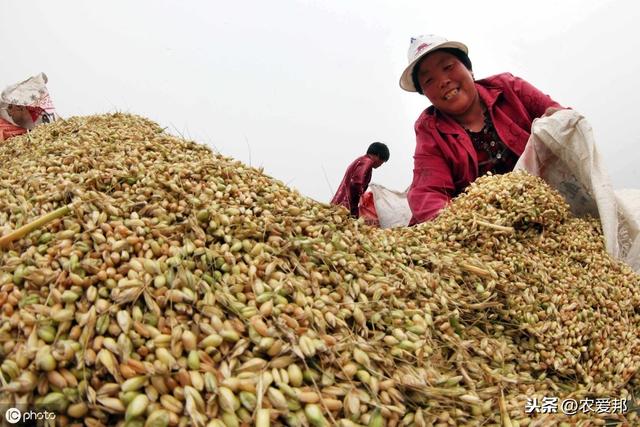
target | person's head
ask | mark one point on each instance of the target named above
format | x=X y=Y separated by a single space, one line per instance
x=379 y=152
x=20 y=115
x=442 y=71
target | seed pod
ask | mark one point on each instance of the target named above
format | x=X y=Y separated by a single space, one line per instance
x=158 y=418
x=248 y=400
x=307 y=346
x=47 y=333
x=45 y=361
x=230 y=335
x=276 y=398
x=213 y=340
x=165 y=357
x=253 y=365
x=189 y=340
x=137 y=407
x=313 y=413
x=352 y=404
x=112 y=405
x=359 y=316
x=54 y=401
x=133 y=384
x=77 y=410
x=361 y=357
x=295 y=375
x=171 y=404
x=56 y=379
x=308 y=396
x=210 y=382
x=227 y=400
x=109 y=362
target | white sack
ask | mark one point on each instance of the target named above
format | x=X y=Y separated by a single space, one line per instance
x=562 y=151
x=392 y=206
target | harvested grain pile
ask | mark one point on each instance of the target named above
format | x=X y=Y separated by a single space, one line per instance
x=184 y=288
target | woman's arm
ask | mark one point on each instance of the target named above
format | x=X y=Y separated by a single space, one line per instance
x=536 y=102
x=432 y=187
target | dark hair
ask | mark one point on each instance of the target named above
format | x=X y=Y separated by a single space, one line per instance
x=460 y=55
x=379 y=149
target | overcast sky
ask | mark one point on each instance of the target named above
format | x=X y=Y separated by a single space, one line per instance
x=302 y=87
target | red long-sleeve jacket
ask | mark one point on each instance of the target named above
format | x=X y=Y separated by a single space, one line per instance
x=354 y=184
x=445 y=160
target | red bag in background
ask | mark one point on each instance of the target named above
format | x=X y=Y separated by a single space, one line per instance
x=367 y=209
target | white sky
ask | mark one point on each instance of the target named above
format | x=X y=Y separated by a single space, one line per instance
x=302 y=87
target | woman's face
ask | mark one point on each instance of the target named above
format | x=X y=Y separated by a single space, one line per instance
x=447 y=83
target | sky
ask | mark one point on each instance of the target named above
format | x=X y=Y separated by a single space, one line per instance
x=302 y=87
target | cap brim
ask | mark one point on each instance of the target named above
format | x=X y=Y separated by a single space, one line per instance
x=406 y=82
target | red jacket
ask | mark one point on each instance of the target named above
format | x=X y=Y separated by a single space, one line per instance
x=8 y=130
x=354 y=184
x=445 y=160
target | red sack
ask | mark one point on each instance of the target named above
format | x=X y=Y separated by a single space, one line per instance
x=367 y=209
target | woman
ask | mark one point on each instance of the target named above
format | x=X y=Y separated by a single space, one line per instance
x=25 y=105
x=471 y=128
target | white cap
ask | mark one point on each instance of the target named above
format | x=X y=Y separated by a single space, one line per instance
x=418 y=48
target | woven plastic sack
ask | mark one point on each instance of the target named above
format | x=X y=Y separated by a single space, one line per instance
x=562 y=151
x=392 y=206
x=629 y=215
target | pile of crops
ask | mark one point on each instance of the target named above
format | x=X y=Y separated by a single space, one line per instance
x=184 y=288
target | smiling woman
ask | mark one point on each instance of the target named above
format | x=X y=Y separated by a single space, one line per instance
x=473 y=127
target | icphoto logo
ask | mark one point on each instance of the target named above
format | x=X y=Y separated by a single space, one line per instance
x=13 y=415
